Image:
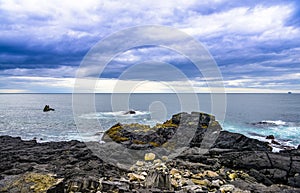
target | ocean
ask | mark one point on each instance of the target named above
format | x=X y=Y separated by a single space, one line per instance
x=254 y=115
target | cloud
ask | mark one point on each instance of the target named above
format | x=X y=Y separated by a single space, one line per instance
x=13 y=91
x=105 y=85
x=248 y=39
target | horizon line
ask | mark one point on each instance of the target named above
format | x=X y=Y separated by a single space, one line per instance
x=152 y=93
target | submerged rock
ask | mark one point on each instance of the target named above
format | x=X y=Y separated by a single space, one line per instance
x=130 y=112
x=270 y=137
x=275 y=142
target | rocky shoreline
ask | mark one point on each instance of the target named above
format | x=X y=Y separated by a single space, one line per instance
x=232 y=162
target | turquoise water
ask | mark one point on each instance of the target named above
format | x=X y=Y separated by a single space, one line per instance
x=21 y=115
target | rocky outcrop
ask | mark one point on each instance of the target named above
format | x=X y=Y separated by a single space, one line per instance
x=47 y=108
x=233 y=162
x=137 y=136
x=60 y=165
x=207 y=133
x=264 y=166
x=239 y=142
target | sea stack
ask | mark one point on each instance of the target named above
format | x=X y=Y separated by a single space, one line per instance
x=47 y=108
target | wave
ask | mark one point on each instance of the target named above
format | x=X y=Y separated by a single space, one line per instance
x=277 y=122
x=282 y=143
x=285 y=133
x=117 y=115
x=271 y=123
x=108 y=119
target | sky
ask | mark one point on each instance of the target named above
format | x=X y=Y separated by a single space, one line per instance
x=255 y=44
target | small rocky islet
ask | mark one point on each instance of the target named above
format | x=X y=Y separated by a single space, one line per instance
x=232 y=163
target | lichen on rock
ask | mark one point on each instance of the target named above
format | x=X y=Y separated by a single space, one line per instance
x=138 y=136
x=32 y=182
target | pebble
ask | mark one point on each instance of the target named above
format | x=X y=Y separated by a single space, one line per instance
x=216 y=183
x=177 y=176
x=198 y=176
x=192 y=188
x=157 y=161
x=204 y=182
x=211 y=174
x=187 y=174
x=237 y=190
x=174 y=183
x=136 y=177
x=232 y=176
x=140 y=163
x=164 y=158
x=227 y=188
x=174 y=171
x=149 y=156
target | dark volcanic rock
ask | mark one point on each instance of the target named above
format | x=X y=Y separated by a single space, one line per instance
x=47 y=108
x=275 y=142
x=130 y=112
x=70 y=161
x=270 y=137
x=268 y=167
x=242 y=163
x=228 y=140
x=137 y=136
x=207 y=133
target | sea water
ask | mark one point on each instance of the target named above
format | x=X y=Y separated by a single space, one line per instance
x=254 y=115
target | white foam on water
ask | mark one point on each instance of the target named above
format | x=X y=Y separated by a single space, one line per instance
x=284 y=134
x=116 y=115
x=276 y=149
x=108 y=119
x=276 y=122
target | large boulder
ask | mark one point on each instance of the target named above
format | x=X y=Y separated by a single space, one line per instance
x=229 y=140
x=138 y=136
x=206 y=134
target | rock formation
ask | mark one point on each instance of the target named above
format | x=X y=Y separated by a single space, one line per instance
x=233 y=163
x=47 y=108
x=130 y=112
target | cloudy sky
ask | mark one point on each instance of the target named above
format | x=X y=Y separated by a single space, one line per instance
x=255 y=43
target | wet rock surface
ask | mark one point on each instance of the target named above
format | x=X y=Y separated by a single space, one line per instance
x=67 y=162
x=233 y=163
